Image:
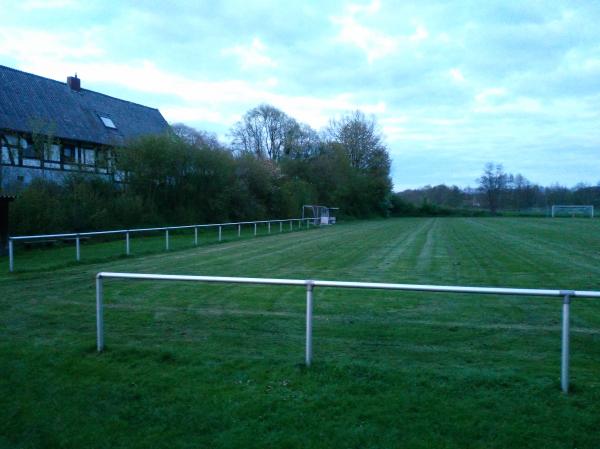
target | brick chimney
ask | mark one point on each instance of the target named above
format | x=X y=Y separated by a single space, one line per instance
x=74 y=83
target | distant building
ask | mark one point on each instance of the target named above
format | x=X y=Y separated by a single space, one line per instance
x=49 y=128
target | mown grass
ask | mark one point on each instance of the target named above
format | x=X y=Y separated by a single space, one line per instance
x=191 y=365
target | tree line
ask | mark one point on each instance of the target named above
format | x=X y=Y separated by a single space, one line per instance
x=273 y=166
x=497 y=191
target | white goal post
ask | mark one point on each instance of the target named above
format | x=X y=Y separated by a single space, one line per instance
x=320 y=214
x=572 y=210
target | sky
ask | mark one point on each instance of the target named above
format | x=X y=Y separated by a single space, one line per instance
x=451 y=84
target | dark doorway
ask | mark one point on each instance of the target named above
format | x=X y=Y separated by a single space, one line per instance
x=4 y=203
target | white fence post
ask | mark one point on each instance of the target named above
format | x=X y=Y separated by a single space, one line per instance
x=269 y=226
x=127 y=243
x=309 y=308
x=254 y=228
x=99 y=315
x=219 y=233
x=11 y=256
x=281 y=226
x=167 y=240
x=564 y=362
x=239 y=230
x=77 y=249
x=196 y=236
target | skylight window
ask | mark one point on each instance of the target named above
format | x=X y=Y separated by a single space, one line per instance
x=108 y=122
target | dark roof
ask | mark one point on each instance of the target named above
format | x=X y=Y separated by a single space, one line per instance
x=31 y=103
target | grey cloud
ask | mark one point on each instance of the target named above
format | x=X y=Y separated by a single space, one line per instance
x=544 y=55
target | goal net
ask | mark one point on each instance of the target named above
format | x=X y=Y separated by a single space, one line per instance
x=572 y=211
x=320 y=214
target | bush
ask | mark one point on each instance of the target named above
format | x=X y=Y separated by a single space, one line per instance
x=170 y=181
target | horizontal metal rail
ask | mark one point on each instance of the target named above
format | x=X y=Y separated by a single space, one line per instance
x=310 y=285
x=128 y=232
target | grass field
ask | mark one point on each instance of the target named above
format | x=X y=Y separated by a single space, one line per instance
x=220 y=366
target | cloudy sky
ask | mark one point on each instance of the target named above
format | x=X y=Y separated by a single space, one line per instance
x=451 y=84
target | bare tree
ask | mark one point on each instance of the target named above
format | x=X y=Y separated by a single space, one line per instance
x=266 y=132
x=195 y=137
x=359 y=137
x=492 y=184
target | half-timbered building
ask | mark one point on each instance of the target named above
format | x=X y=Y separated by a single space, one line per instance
x=49 y=128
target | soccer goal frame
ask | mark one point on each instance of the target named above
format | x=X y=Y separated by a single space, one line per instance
x=320 y=214
x=572 y=210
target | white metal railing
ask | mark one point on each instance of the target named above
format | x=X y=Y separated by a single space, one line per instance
x=127 y=232
x=566 y=295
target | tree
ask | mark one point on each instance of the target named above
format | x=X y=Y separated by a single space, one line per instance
x=181 y=182
x=302 y=142
x=195 y=137
x=266 y=132
x=359 y=137
x=493 y=184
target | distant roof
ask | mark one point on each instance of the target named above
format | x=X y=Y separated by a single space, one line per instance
x=31 y=103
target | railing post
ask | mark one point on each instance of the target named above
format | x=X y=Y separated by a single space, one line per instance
x=254 y=228
x=269 y=226
x=99 y=315
x=196 y=236
x=281 y=226
x=564 y=365
x=167 y=239
x=219 y=233
x=127 y=243
x=309 y=310
x=239 y=230
x=77 y=249
x=11 y=256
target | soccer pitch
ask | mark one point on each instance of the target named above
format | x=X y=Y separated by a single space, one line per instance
x=221 y=366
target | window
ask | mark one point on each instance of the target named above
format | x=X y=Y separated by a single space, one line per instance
x=108 y=122
x=68 y=154
x=87 y=156
x=102 y=159
x=29 y=149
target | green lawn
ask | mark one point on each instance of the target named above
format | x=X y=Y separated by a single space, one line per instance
x=221 y=366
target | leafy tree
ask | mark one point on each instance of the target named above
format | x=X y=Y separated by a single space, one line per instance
x=302 y=142
x=184 y=182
